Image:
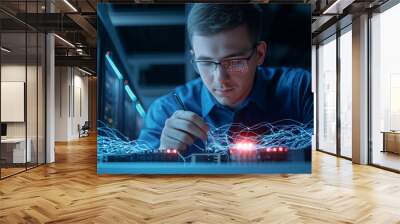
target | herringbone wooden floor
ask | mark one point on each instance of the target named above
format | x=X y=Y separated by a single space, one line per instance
x=70 y=191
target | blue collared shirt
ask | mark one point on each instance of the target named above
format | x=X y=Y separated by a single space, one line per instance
x=277 y=94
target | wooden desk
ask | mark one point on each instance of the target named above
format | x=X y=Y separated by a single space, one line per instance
x=15 y=148
x=391 y=141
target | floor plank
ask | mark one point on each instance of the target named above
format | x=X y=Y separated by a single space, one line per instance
x=70 y=191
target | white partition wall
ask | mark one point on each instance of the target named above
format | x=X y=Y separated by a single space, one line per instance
x=14 y=70
x=23 y=88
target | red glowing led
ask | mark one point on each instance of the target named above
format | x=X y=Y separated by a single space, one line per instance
x=168 y=151
x=245 y=146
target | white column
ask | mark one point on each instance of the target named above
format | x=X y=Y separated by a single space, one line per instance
x=50 y=110
x=360 y=90
x=50 y=93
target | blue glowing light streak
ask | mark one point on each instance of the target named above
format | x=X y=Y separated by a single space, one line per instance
x=140 y=109
x=114 y=67
x=294 y=136
x=130 y=93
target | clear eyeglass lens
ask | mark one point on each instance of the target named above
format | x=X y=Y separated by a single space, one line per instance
x=236 y=66
x=231 y=66
x=205 y=66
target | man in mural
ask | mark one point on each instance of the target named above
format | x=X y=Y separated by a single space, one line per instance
x=227 y=53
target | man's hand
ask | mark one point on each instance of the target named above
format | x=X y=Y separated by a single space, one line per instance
x=182 y=129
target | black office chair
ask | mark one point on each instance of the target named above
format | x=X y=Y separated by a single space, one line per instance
x=84 y=130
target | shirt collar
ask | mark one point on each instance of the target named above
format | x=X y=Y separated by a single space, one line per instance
x=207 y=101
x=257 y=95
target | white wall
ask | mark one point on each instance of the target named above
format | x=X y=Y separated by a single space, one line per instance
x=80 y=115
x=12 y=73
x=71 y=94
x=61 y=103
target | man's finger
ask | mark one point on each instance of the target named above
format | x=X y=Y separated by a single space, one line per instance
x=180 y=136
x=189 y=127
x=170 y=143
x=191 y=116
